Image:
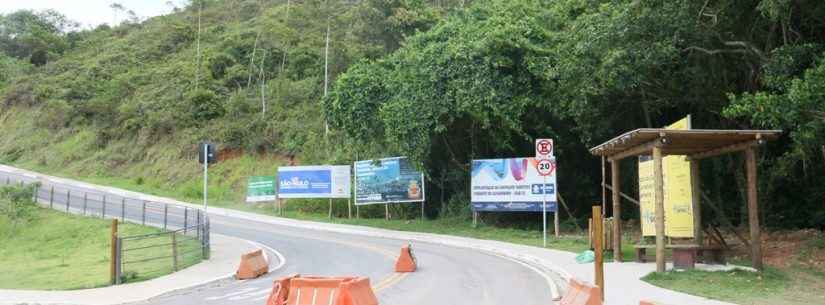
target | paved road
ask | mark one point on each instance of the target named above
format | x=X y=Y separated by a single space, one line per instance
x=446 y=275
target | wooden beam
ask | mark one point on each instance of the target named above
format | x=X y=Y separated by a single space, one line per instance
x=617 y=212
x=636 y=150
x=753 y=210
x=658 y=178
x=726 y=149
x=625 y=196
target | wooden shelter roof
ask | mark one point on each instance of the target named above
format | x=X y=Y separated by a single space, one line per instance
x=695 y=143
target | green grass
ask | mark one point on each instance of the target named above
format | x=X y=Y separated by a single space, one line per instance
x=57 y=251
x=772 y=286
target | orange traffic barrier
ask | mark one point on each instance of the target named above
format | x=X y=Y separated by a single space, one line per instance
x=253 y=264
x=296 y=290
x=581 y=293
x=406 y=261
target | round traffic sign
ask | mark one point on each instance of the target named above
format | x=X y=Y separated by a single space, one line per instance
x=544 y=148
x=546 y=167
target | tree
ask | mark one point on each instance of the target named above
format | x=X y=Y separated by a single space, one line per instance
x=36 y=36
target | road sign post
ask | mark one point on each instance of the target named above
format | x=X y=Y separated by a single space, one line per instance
x=544 y=152
x=206 y=155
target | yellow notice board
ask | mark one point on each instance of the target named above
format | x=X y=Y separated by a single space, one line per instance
x=647 y=201
x=678 y=197
x=677 y=193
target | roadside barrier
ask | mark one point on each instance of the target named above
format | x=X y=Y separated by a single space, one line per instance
x=297 y=290
x=406 y=261
x=581 y=293
x=253 y=264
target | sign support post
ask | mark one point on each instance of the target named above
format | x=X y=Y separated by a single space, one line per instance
x=205 y=175
x=544 y=210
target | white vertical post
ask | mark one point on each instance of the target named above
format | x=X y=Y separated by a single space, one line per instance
x=544 y=209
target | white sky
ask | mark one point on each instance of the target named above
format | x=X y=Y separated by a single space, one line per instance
x=91 y=13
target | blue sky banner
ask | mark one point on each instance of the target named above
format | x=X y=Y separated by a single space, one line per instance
x=386 y=181
x=314 y=181
x=511 y=185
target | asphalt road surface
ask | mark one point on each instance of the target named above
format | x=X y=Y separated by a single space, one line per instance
x=446 y=275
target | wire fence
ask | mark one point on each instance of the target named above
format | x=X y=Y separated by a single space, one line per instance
x=182 y=242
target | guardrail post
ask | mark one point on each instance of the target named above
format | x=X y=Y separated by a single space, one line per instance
x=165 y=213
x=174 y=252
x=123 y=209
x=103 y=207
x=185 y=220
x=68 y=199
x=119 y=261
x=34 y=193
x=8 y=180
x=143 y=214
x=199 y=224
x=85 y=202
x=207 y=238
x=51 y=198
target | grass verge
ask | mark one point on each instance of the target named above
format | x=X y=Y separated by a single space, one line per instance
x=51 y=250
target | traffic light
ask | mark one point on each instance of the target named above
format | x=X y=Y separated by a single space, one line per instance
x=211 y=154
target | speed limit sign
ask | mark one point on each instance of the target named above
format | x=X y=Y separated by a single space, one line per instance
x=546 y=167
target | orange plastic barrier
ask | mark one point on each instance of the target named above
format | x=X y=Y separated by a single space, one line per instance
x=296 y=290
x=253 y=264
x=406 y=261
x=581 y=293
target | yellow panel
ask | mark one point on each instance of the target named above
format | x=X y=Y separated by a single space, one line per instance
x=678 y=198
x=647 y=200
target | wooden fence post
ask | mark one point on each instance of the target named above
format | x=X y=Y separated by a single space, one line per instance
x=113 y=254
x=598 y=235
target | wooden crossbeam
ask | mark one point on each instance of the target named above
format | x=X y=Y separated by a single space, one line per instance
x=640 y=149
x=727 y=149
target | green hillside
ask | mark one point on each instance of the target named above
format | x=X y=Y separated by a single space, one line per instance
x=440 y=81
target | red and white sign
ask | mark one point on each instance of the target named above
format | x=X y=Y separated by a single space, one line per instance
x=546 y=167
x=544 y=149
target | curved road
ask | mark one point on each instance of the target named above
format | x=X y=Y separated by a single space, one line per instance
x=446 y=275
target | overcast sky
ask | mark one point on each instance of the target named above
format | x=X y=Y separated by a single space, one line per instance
x=91 y=13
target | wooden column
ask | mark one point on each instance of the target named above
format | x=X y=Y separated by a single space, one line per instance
x=617 y=211
x=753 y=210
x=696 y=198
x=598 y=235
x=658 y=190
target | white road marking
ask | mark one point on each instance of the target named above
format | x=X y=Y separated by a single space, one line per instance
x=251 y=294
x=242 y=291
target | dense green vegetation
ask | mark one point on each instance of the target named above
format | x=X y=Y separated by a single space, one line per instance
x=440 y=81
x=50 y=250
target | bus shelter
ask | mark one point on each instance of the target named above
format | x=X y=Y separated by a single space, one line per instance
x=695 y=144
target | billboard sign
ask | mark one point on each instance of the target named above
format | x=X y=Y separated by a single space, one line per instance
x=387 y=180
x=677 y=192
x=261 y=189
x=512 y=185
x=324 y=181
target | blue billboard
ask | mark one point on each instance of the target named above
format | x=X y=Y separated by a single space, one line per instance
x=314 y=182
x=512 y=185
x=387 y=181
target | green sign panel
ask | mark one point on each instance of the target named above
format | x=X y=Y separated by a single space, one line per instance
x=261 y=189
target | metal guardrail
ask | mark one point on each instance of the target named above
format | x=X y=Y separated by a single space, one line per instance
x=184 y=240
